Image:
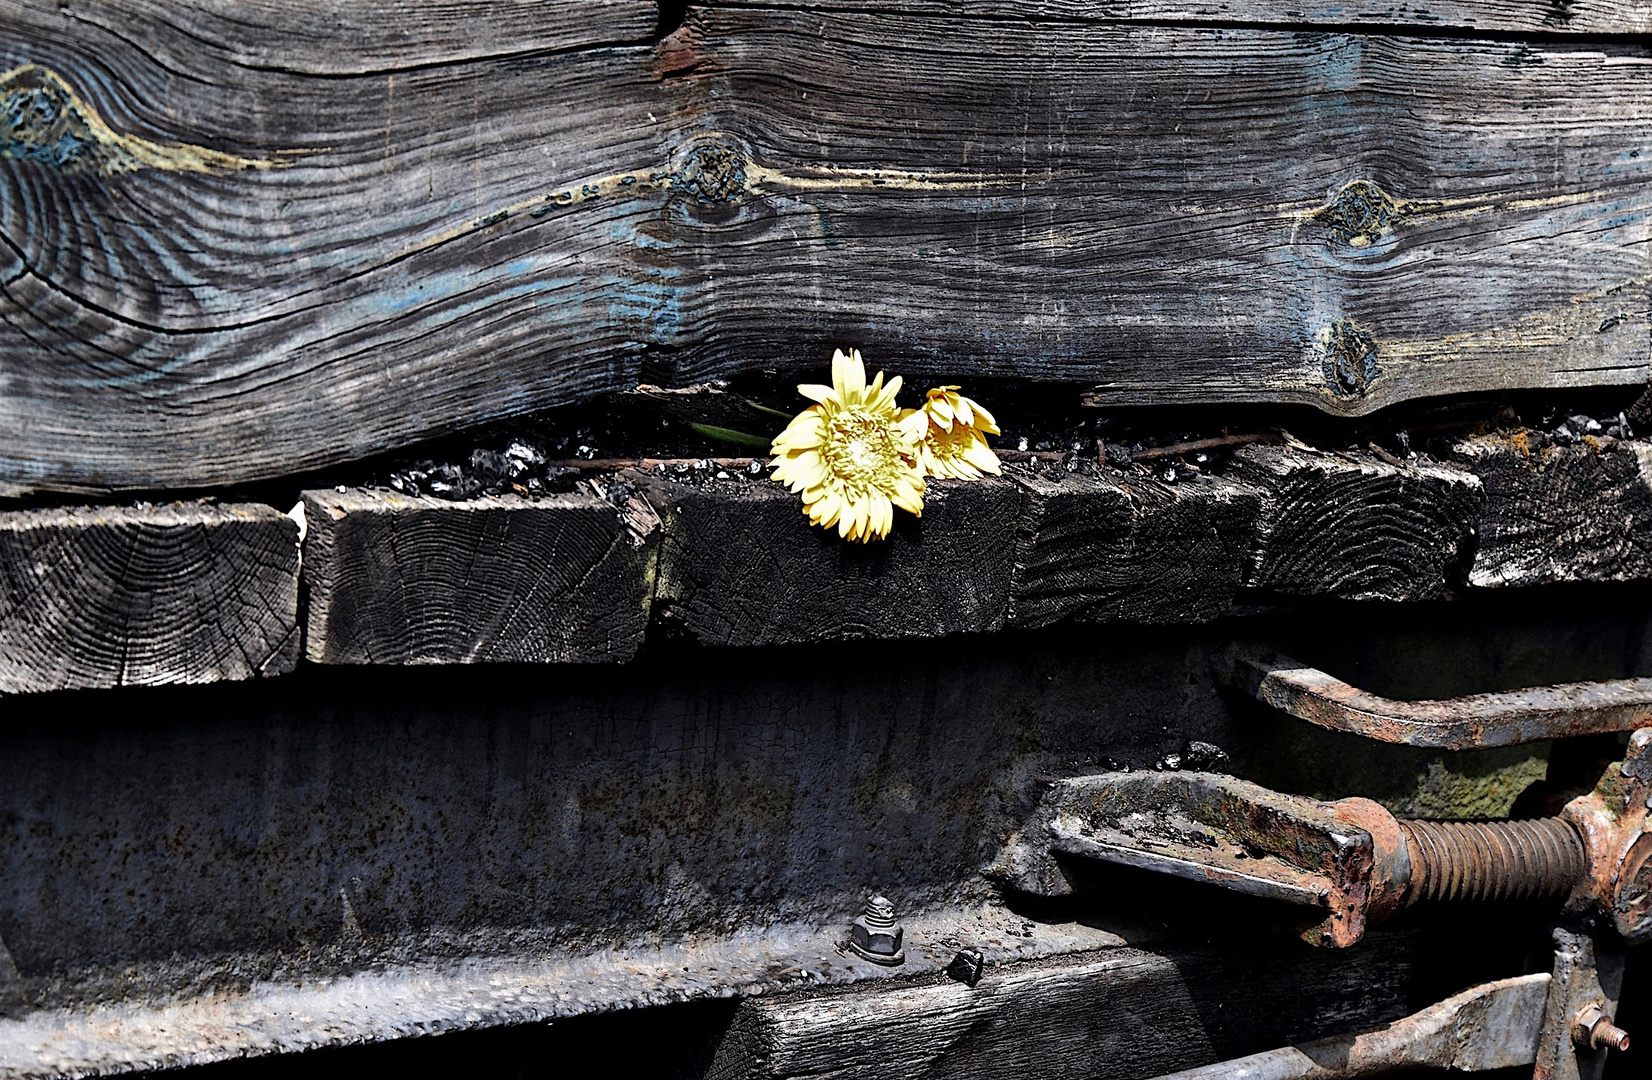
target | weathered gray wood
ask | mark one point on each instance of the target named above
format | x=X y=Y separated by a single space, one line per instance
x=230 y=268
x=1166 y=211
x=123 y=595
x=741 y=565
x=1118 y=1013
x=1352 y=526
x=1560 y=513
x=219 y=267
x=399 y=580
x=1545 y=16
x=324 y=37
x=1099 y=550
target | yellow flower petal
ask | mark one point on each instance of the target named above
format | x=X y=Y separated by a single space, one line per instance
x=854 y=455
x=981 y=456
x=983 y=419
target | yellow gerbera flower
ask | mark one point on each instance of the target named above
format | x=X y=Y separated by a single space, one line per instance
x=955 y=444
x=854 y=455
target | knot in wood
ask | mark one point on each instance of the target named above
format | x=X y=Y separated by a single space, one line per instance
x=1361 y=214
x=38 y=122
x=714 y=173
x=1349 y=357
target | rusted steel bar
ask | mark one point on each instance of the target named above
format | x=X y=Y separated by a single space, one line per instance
x=1463 y=723
x=1492 y=1026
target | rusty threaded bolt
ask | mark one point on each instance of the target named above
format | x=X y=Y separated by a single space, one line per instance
x=1592 y=1029
x=1493 y=860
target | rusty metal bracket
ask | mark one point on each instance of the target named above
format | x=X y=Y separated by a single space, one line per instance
x=1578 y=1030
x=1218 y=829
x=1351 y=862
x=1462 y=723
x=1492 y=1026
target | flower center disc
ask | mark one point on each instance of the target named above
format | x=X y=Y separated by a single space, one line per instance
x=859 y=450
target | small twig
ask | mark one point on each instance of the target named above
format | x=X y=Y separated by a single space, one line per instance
x=1030 y=455
x=1195 y=445
x=1384 y=455
x=610 y=464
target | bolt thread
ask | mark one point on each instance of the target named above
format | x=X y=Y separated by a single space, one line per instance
x=879 y=913
x=1608 y=1034
x=1493 y=860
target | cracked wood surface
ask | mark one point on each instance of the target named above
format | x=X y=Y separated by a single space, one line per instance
x=1119 y=1013
x=400 y=580
x=1352 y=526
x=249 y=250
x=1464 y=16
x=740 y=565
x=121 y=596
x=1560 y=513
x=109 y=595
x=1133 y=550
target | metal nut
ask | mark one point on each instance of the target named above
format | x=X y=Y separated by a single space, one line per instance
x=876 y=936
x=1592 y=1029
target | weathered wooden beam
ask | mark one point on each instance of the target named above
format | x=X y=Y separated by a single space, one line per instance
x=1116 y=1013
x=324 y=38
x=1533 y=16
x=1172 y=213
x=1560 y=513
x=140 y=595
x=220 y=266
x=1137 y=550
x=741 y=565
x=243 y=257
x=399 y=580
x=1353 y=526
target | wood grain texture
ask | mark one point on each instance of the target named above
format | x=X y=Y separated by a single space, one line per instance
x=399 y=580
x=359 y=37
x=1351 y=526
x=1542 y=16
x=234 y=256
x=1118 y=1013
x=1168 y=211
x=117 y=596
x=1560 y=513
x=214 y=271
x=741 y=565
x=1138 y=550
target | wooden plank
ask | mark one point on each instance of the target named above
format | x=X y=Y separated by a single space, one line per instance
x=1099 y=550
x=1560 y=513
x=221 y=268
x=399 y=580
x=1168 y=212
x=1352 y=526
x=140 y=595
x=741 y=565
x=328 y=38
x=220 y=271
x=1532 y=16
x=1120 y=1013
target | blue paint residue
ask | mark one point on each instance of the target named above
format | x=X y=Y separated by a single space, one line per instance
x=35 y=126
